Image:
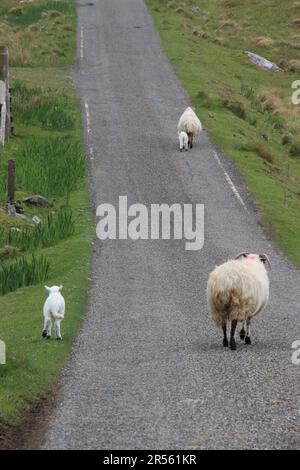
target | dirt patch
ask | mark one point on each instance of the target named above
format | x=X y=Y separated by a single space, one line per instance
x=30 y=433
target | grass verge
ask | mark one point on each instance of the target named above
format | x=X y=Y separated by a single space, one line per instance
x=247 y=110
x=49 y=151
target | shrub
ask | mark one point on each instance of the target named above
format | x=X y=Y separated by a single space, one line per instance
x=286 y=139
x=258 y=148
x=264 y=153
x=8 y=252
x=295 y=148
x=236 y=107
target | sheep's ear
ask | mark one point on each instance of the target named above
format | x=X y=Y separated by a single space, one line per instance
x=244 y=254
x=47 y=288
x=60 y=287
x=265 y=259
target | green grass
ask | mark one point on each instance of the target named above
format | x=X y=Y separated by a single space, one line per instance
x=32 y=363
x=38 y=34
x=34 y=106
x=238 y=102
x=30 y=14
x=50 y=158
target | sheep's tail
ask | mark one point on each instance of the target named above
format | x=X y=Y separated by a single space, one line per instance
x=225 y=306
x=58 y=316
x=191 y=129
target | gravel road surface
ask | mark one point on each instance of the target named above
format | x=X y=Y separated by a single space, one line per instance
x=148 y=370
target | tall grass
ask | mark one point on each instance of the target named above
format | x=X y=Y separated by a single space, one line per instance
x=23 y=272
x=52 y=166
x=55 y=228
x=31 y=14
x=3 y=186
x=38 y=34
x=34 y=106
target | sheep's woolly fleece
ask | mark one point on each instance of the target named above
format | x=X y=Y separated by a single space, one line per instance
x=189 y=122
x=238 y=289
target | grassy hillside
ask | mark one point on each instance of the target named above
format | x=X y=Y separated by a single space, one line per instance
x=50 y=158
x=247 y=110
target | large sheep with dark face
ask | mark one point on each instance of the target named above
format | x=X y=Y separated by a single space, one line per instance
x=236 y=291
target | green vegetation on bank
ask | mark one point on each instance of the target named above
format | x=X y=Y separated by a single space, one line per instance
x=50 y=160
x=247 y=111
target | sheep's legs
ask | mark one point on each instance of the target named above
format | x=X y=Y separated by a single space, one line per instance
x=248 y=339
x=47 y=328
x=44 y=332
x=242 y=332
x=225 y=340
x=232 y=333
x=57 y=329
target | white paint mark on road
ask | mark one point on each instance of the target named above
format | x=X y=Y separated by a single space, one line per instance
x=89 y=129
x=81 y=42
x=88 y=118
x=230 y=182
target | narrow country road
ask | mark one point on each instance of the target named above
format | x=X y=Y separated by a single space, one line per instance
x=148 y=370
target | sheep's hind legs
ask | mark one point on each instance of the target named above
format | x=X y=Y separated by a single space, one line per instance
x=225 y=340
x=232 y=333
x=46 y=333
x=248 y=339
x=243 y=332
x=57 y=330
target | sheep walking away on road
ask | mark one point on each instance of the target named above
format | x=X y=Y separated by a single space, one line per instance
x=190 y=124
x=236 y=291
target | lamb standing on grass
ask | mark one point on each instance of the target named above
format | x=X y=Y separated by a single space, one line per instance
x=190 y=124
x=54 y=309
x=236 y=291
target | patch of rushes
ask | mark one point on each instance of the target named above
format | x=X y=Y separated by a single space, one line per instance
x=52 y=166
x=247 y=110
x=47 y=233
x=23 y=272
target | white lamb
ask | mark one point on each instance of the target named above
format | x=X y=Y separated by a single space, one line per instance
x=190 y=124
x=183 y=141
x=236 y=291
x=54 y=309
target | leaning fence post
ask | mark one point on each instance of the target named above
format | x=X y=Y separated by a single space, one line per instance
x=11 y=181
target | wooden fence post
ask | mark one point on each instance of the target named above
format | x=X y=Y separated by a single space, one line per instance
x=2 y=112
x=3 y=63
x=11 y=181
x=4 y=77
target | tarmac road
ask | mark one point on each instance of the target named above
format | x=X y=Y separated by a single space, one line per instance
x=148 y=370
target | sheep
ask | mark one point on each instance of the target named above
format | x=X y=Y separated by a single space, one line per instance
x=189 y=123
x=236 y=291
x=54 y=309
x=183 y=141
